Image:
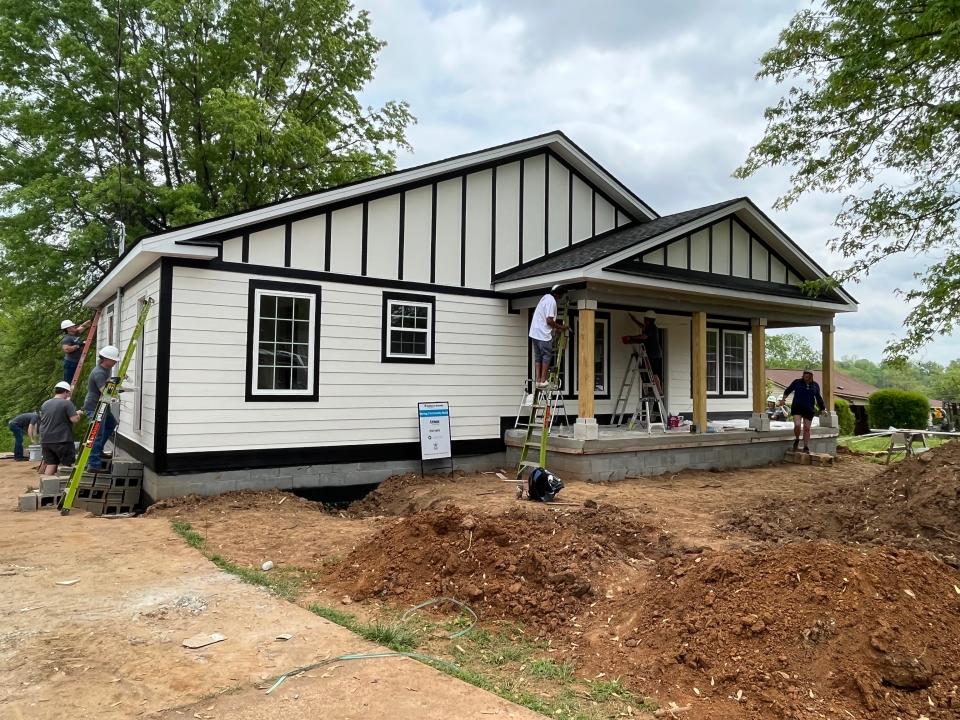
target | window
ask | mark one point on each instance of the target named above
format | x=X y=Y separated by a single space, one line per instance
x=601 y=357
x=408 y=334
x=734 y=362
x=282 y=341
x=726 y=362
x=713 y=361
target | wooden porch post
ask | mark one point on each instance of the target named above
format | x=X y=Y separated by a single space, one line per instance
x=758 y=375
x=698 y=365
x=586 y=427
x=829 y=417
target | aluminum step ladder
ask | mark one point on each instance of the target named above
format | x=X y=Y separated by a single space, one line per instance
x=545 y=403
x=639 y=372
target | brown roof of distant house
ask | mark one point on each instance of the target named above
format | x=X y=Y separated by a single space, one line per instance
x=844 y=386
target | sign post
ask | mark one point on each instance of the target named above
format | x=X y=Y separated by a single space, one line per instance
x=434 y=432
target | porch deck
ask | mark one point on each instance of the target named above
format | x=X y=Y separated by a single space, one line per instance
x=620 y=453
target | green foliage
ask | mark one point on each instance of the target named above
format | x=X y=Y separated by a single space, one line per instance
x=790 y=350
x=547 y=669
x=191 y=536
x=871 y=112
x=333 y=615
x=844 y=416
x=899 y=409
x=395 y=636
x=223 y=105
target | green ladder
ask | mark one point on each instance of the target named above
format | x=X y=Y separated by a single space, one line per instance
x=110 y=392
x=541 y=410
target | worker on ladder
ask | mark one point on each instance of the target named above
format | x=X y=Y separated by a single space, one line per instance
x=651 y=343
x=99 y=377
x=72 y=346
x=542 y=327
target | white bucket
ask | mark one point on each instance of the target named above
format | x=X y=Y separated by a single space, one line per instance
x=35 y=453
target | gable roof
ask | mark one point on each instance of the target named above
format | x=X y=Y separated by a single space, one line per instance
x=843 y=385
x=602 y=246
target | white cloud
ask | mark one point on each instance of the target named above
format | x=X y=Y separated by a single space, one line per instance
x=662 y=94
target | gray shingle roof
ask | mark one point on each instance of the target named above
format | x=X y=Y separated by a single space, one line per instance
x=589 y=251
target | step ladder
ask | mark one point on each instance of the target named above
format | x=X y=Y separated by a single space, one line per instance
x=545 y=403
x=109 y=395
x=639 y=372
x=558 y=406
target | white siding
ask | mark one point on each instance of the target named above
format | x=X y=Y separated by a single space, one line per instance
x=534 y=207
x=700 y=251
x=606 y=215
x=308 y=243
x=346 y=246
x=383 y=237
x=677 y=254
x=582 y=210
x=147 y=286
x=778 y=271
x=508 y=216
x=759 y=259
x=449 y=199
x=655 y=257
x=741 y=252
x=721 y=247
x=233 y=250
x=362 y=400
x=416 y=234
x=479 y=208
x=267 y=247
x=559 y=219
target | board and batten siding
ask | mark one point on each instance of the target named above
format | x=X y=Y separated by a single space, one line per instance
x=455 y=232
x=146 y=286
x=480 y=350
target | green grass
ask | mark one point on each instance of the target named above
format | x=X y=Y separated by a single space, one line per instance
x=548 y=669
x=397 y=636
x=191 y=536
x=866 y=446
x=335 y=616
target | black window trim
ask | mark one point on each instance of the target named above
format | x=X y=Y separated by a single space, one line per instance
x=721 y=329
x=573 y=392
x=430 y=300
x=270 y=285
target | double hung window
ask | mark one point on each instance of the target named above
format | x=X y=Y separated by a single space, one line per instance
x=408 y=328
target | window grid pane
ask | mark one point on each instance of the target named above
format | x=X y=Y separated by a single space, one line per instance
x=734 y=362
x=712 y=361
x=409 y=330
x=283 y=357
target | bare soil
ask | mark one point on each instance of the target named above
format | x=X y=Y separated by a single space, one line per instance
x=784 y=591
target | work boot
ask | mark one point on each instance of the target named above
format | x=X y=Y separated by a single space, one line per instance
x=806 y=449
x=796 y=443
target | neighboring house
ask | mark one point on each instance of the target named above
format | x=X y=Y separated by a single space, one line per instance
x=303 y=333
x=856 y=392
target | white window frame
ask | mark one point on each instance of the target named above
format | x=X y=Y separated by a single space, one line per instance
x=427 y=333
x=723 y=356
x=715 y=390
x=255 y=390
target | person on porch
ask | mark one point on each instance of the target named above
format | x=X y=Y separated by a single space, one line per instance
x=651 y=343
x=807 y=402
x=542 y=327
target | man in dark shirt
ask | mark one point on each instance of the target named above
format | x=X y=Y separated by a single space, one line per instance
x=57 y=418
x=651 y=343
x=99 y=377
x=23 y=423
x=72 y=346
x=807 y=402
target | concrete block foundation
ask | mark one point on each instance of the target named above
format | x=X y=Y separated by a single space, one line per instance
x=158 y=487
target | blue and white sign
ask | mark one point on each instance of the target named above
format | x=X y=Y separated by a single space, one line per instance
x=434 y=430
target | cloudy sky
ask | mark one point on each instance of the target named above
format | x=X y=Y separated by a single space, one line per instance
x=663 y=94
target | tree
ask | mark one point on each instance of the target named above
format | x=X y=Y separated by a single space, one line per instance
x=874 y=112
x=790 y=350
x=173 y=112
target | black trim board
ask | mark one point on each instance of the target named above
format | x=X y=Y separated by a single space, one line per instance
x=430 y=300
x=135 y=450
x=252 y=288
x=162 y=399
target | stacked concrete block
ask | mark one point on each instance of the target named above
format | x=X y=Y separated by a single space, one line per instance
x=29 y=502
x=812 y=458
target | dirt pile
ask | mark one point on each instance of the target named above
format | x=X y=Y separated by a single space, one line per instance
x=236 y=500
x=913 y=504
x=801 y=631
x=525 y=564
x=404 y=494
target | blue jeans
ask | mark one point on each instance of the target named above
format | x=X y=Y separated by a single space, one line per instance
x=107 y=427
x=17 y=440
x=69 y=368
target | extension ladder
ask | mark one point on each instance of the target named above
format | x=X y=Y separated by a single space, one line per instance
x=639 y=371
x=545 y=402
x=91 y=335
x=109 y=394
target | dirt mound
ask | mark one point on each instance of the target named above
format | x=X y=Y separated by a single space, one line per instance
x=796 y=632
x=403 y=495
x=236 y=500
x=913 y=504
x=527 y=565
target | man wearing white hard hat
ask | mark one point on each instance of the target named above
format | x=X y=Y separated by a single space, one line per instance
x=107 y=358
x=72 y=346
x=543 y=324
x=57 y=418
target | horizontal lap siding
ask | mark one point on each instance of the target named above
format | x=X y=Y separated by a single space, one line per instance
x=147 y=286
x=481 y=355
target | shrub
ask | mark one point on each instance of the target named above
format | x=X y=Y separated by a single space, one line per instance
x=844 y=416
x=899 y=409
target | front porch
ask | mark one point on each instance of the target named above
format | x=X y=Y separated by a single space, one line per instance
x=618 y=453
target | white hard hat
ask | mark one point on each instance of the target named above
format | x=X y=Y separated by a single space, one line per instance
x=650 y=314
x=63 y=385
x=771 y=398
x=110 y=353
x=67 y=324
x=556 y=289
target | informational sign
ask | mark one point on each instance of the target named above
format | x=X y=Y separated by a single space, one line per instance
x=434 y=430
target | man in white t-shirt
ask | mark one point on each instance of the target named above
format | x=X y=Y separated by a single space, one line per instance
x=542 y=326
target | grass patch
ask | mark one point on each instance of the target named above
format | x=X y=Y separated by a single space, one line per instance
x=859 y=444
x=190 y=536
x=335 y=616
x=548 y=669
x=396 y=637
